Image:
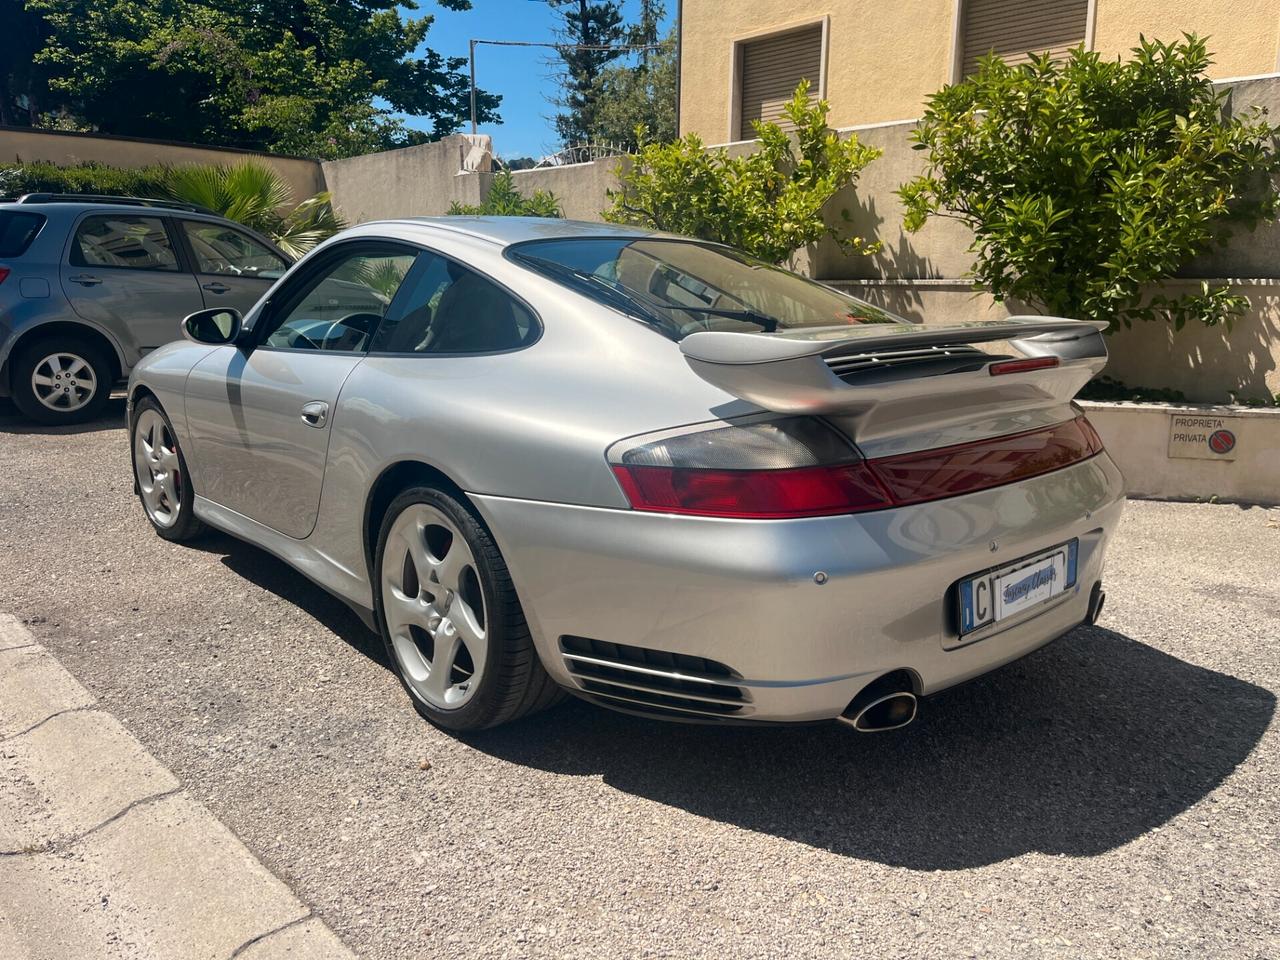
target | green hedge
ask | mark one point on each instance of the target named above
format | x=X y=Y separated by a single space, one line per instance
x=42 y=177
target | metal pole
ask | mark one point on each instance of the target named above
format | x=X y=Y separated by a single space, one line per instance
x=472 y=59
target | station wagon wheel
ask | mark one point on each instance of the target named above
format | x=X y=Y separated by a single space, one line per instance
x=160 y=472
x=450 y=617
x=61 y=379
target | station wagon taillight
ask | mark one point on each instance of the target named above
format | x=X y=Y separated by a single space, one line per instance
x=796 y=467
x=4 y=274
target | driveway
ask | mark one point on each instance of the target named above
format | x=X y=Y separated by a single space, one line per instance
x=1113 y=795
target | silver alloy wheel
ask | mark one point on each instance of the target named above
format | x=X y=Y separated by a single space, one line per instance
x=155 y=461
x=434 y=606
x=63 y=381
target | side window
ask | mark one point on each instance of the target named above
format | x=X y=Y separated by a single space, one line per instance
x=123 y=240
x=227 y=251
x=450 y=309
x=338 y=308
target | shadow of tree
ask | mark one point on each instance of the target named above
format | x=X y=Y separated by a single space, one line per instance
x=1075 y=750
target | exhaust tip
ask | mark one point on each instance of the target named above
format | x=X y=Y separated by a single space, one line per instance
x=1097 y=597
x=887 y=703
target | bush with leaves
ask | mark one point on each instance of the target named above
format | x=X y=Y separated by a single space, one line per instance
x=253 y=193
x=768 y=203
x=1087 y=181
x=504 y=200
x=40 y=176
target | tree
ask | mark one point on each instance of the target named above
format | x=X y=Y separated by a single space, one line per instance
x=1087 y=181
x=628 y=97
x=253 y=193
x=504 y=200
x=769 y=203
x=323 y=79
x=23 y=82
x=584 y=23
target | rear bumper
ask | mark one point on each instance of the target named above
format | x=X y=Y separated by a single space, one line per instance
x=744 y=593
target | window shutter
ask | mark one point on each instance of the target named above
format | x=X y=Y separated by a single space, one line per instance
x=772 y=68
x=1014 y=29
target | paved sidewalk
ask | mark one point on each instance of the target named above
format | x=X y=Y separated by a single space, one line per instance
x=103 y=854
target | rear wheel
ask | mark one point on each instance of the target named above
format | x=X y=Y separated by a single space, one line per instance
x=61 y=379
x=450 y=617
x=161 y=474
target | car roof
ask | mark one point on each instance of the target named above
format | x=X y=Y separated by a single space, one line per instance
x=505 y=231
x=59 y=206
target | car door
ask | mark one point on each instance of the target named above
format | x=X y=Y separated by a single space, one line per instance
x=259 y=413
x=234 y=268
x=122 y=271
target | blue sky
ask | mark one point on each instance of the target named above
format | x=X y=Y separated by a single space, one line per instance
x=520 y=75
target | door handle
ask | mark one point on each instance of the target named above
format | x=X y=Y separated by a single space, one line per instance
x=215 y=287
x=315 y=413
x=85 y=280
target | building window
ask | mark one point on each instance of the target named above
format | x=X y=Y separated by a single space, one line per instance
x=770 y=69
x=1016 y=29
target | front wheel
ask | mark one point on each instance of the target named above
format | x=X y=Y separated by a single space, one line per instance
x=160 y=471
x=450 y=617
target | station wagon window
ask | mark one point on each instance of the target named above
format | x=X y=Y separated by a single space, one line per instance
x=226 y=251
x=17 y=230
x=121 y=240
x=449 y=309
x=339 y=307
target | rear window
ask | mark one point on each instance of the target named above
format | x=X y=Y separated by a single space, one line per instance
x=684 y=286
x=17 y=230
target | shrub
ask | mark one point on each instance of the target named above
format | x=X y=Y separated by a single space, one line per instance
x=504 y=200
x=768 y=203
x=255 y=194
x=1086 y=181
x=39 y=176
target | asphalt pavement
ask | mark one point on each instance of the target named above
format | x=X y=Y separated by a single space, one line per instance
x=1114 y=795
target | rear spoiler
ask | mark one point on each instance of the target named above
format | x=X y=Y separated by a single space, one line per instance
x=793 y=372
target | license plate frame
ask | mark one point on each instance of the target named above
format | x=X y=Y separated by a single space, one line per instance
x=998 y=594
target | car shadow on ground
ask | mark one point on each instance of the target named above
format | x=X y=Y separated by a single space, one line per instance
x=1076 y=750
x=13 y=420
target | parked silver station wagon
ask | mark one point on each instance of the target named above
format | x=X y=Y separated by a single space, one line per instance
x=89 y=285
x=539 y=455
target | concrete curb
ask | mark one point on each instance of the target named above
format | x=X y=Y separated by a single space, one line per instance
x=104 y=855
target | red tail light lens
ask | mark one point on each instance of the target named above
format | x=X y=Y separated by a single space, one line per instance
x=1022 y=366
x=4 y=274
x=969 y=467
x=774 y=469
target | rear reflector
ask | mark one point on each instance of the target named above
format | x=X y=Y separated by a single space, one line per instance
x=1022 y=366
x=859 y=486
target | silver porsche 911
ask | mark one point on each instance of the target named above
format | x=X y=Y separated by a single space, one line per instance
x=539 y=455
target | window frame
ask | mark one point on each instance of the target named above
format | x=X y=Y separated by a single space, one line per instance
x=956 y=73
x=74 y=253
x=194 y=260
x=317 y=268
x=738 y=44
x=537 y=328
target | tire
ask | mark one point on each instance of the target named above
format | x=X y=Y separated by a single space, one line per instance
x=433 y=606
x=49 y=380
x=160 y=475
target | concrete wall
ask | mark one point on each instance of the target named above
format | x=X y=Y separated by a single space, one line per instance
x=581 y=188
x=884 y=59
x=24 y=144
x=1137 y=437
x=419 y=181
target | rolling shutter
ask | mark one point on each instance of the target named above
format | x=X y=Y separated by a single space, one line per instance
x=772 y=68
x=1015 y=28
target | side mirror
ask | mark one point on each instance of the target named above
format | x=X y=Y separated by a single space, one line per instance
x=215 y=326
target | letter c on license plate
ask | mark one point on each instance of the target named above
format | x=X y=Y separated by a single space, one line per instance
x=1009 y=590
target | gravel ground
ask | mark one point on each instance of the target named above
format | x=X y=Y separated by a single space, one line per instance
x=1114 y=795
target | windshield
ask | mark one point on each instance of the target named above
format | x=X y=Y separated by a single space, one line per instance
x=681 y=287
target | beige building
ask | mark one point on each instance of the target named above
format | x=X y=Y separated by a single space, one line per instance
x=876 y=62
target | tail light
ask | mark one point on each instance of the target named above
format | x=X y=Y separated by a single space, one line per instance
x=798 y=467
x=4 y=274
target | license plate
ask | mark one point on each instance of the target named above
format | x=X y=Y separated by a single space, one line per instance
x=1009 y=590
